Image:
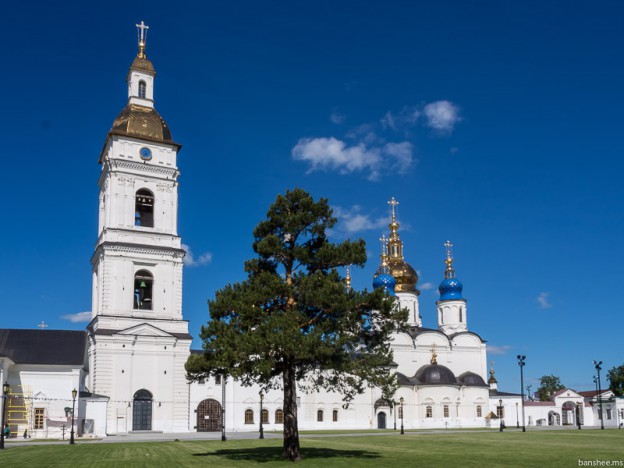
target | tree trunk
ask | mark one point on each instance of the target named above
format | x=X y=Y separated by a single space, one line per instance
x=291 y=429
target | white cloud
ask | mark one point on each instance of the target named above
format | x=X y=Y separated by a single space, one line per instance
x=497 y=350
x=191 y=261
x=542 y=300
x=407 y=117
x=352 y=220
x=333 y=154
x=441 y=116
x=426 y=286
x=336 y=117
x=78 y=317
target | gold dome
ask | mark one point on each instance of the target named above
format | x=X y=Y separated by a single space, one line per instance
x=143 y=64
x=142 y=122
x=404 y=274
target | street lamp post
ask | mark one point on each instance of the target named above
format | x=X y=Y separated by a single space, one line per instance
x=5 y=394
x=521 y=360
x=598 y=369
x=500 y=412
x=401 y=400
x=261 y=415
x=517 y=417
x=71 y=434
x=223 y=381
x=578 y=415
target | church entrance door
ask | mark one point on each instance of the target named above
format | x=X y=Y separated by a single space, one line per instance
x=381 y=420
x=142 y=411
x=209 y=416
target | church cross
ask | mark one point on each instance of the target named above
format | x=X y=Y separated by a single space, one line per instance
x=42 y=325
x=448 y=246
x=142 y=32
x=393 y=204
x=384 y=245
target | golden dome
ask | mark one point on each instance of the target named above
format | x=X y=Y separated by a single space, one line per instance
x=143 y=64
x=404 y=274
x=142 y=122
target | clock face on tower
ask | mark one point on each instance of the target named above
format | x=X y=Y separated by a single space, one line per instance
x=145 y=153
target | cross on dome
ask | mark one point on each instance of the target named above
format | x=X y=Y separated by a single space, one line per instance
x=448 y=246
x=393 y=204
x=42 y=325
x=142 y=32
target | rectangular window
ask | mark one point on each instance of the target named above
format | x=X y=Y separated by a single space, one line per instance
x=446 y=411
x=608 y=413
x=39 y=414
x=279 y=417
x=218 y=380
x=400 y=412
x=335 y=415
x=479 y=412
x=500 y=411
x=429 y=412
x=265 y=416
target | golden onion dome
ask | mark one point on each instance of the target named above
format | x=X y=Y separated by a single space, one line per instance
x=143 y=64
x=404 y=274
x=142 y=122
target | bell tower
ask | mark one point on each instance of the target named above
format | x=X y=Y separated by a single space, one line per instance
x=139 y=341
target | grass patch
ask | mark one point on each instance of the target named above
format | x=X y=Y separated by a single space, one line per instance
x=465 y=449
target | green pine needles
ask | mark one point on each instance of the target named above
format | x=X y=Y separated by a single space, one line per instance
x=293 y=319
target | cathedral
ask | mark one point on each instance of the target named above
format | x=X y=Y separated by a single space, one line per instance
x=127 y=367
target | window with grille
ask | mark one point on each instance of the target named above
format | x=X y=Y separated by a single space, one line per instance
x=319 y=416
x=429 y=412
x=446 y=411
x=479 y=411
x=39 y=415
x=400 y=412
x=279 y=416
x=500 y=411
x=265 y=416
x=249 y=416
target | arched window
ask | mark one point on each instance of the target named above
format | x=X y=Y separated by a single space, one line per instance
x=249 y=416
x=461 y=314
x=279 y=416
x=142 y=87
x=479 y=411
x=144 y=208
x=446 y=411
x=319 y=416
x=335 y=415
x=429 y=412
x=143 y=286
x=265 y=416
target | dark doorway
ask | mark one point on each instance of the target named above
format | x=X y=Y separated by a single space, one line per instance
x=381 y=420
x=142 y=411
x=209 y=416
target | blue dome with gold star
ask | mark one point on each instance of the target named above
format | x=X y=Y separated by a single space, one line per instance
x=385 y=281
x=450 y=289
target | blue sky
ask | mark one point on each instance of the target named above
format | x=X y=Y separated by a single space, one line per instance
x=496 y=125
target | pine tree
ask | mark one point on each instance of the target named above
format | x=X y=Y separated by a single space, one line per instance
x=293 y=320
